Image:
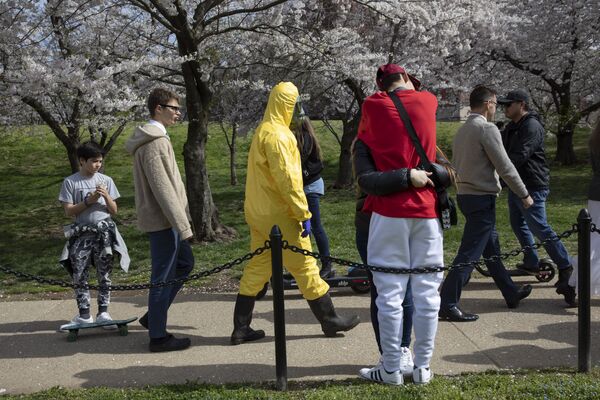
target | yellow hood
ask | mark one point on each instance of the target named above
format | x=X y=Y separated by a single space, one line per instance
x=280 y=107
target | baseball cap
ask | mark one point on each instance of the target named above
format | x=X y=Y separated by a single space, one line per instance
x=514 y=95
x=389 y=69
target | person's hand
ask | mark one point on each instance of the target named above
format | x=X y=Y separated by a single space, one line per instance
x=102 y=190
x=527 y=201
x=420 y=178
x=92 y=198
x=306 y=228
x=190 y=239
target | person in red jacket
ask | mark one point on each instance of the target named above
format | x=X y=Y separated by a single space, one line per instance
x=404 y=231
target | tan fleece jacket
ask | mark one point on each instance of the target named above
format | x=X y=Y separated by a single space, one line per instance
x=479 y=158
x=160 y=198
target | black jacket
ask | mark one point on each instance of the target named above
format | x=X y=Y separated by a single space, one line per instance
x=524 y=143
x=371 y=181
x=311 y=164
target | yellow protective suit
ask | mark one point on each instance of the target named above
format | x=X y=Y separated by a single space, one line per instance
x=275 y=196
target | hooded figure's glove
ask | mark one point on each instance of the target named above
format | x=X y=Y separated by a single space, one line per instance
x=306 y=227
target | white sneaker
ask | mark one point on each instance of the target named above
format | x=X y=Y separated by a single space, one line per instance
x=378 y=374
x=406 y=361
x=422 y=376
x=104 y=317
x=77 y=320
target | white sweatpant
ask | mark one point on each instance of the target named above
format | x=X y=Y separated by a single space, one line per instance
x=406 y=243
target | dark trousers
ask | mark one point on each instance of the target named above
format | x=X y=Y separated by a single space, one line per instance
x=479 y=238
x=316 y=227
x=362 y=240
x=172 y=258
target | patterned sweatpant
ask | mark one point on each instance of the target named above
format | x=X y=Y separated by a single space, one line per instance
x=84 y=251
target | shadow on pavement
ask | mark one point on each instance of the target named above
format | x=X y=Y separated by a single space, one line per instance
x=218 y=373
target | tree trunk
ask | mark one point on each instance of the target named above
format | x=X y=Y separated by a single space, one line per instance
x=72 y=154
x=565 y=154
x=344 y=176
x=204 y=213
x=232 y=155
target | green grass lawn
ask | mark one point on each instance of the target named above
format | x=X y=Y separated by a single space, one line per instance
x=33 y=164
x=522 y=385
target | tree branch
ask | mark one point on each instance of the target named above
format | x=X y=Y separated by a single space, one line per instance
x=47 y=117
x=243 y=11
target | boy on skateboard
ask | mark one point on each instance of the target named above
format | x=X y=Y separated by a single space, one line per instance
x=89 y=197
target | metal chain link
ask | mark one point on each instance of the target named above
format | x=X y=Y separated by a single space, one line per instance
x=593 y=228
x=295 y=249
x=198 y=275
x=427 y=270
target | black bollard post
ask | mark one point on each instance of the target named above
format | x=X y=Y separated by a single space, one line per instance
x=278 y=308
x=584 y=222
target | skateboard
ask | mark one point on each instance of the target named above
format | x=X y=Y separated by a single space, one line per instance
x=74 y=328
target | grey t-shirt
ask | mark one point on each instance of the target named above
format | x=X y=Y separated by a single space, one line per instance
x=76 y=187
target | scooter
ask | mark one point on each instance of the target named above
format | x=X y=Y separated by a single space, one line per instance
x=359 y=284
x=547 y=271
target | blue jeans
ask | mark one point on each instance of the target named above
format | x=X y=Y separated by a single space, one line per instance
x=316 y=227
x=362 y=239
x=172 y=258
x=532 y=221
x=479 y=238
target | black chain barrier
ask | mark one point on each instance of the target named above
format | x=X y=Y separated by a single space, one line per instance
x=198 y=275
x=426 y=270
x=295 y=249
x=594 y=229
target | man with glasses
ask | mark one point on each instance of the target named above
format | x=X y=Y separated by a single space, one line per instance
x=480 y=159
x=523 y=139
x=162 y=211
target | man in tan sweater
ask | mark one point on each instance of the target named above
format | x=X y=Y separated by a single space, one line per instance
x=162 y=211
x=480 y=159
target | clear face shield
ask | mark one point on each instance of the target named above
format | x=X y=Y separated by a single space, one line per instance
x=298 y=116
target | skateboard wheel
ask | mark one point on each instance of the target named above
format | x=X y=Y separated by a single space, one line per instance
x=72 y=336
x=123 y=330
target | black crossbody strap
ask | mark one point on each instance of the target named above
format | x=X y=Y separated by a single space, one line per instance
x=411 y=130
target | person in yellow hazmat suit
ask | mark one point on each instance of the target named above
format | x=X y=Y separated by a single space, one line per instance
x=275 y=196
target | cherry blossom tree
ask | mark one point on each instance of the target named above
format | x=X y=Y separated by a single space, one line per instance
x=552 y=49
x=70 y=61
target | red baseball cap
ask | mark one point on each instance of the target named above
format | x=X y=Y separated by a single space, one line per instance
x=390 y=69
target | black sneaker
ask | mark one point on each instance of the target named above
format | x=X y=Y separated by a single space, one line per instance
x=327 y=273
x=169 y=343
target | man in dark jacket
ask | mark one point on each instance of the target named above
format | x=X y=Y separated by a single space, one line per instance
x=523 y=139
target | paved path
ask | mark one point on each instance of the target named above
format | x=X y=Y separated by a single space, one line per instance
x=33 y=356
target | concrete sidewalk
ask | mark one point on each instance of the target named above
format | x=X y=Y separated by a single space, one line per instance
x=541 y=333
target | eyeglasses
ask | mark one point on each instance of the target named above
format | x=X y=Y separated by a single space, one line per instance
x=491 y=101
x=174 y=108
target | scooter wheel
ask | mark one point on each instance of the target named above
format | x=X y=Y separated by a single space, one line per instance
x=361 y=287
x=547 y=271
